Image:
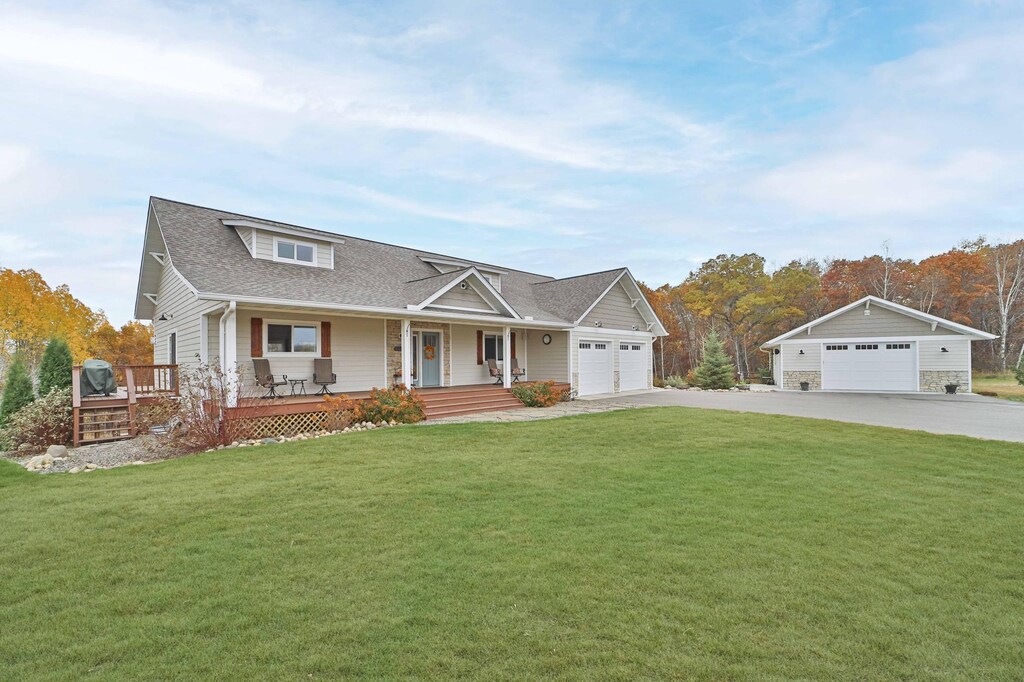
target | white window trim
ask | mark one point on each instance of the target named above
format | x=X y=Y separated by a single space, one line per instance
x=419 y=331
x=297 y=242
x=267 y=353
x=496 y=336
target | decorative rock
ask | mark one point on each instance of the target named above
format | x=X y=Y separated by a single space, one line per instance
x=89 y=466
x=75 y=470
x=138 y=462
x=56 y=451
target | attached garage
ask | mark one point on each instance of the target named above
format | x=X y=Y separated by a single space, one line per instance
x=632 y=366
x=874 y=345
x=595 y=362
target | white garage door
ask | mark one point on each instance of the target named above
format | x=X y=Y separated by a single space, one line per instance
x=632 y=367
x=595 y=367
x=869 y=366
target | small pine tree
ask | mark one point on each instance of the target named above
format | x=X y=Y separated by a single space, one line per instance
x=17 y=389
x=1019 y=372
x=716 y=370
x=55 y=369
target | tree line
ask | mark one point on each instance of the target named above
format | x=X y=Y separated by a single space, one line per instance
x=32 y=314
x=976 y=283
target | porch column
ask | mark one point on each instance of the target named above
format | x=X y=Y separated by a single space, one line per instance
x=229 y=351
x=506 y=366
x=407 y=353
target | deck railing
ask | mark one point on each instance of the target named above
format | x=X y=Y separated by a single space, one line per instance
x=112 y=417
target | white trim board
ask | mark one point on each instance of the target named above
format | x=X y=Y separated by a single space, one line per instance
x=278 y=229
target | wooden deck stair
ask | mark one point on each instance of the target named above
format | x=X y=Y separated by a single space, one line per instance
x=454 y=401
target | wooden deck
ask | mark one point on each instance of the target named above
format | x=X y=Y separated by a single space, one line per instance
x=100 y=419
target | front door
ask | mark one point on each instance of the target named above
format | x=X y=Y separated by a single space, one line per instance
x=429 y=359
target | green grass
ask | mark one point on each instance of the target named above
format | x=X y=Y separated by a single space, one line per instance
x=645 y=543
x=1003 y=385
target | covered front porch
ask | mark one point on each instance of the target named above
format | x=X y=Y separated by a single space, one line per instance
x=374 y=351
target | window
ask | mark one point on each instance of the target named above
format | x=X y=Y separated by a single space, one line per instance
x=600 y=346
x=623 y=346
x=494 y=347
x=291 y=251
x=841 y=346
x=636 y=346
x=291 y=338
x=584 y=345
x=172 y=349
x=897 y=346
x=866 y=346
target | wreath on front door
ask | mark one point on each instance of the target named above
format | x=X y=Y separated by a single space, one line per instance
x=428 y=352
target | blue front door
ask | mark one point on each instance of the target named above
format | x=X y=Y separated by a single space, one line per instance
x=430 y=358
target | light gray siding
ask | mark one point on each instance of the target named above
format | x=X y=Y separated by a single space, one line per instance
x=550 y=361
x=810 y=361
x=615 y=311
x=357 y=350
x=183 y=310
x=881 y=323
x=464 y=368
x=463 y=298
x=957 y=357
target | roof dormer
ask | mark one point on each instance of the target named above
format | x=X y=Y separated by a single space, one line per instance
x=286 y=245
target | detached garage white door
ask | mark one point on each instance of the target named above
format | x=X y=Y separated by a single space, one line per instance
x=869 y=366
x=632 y=367
x=595 y=367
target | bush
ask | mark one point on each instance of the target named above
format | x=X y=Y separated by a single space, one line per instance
x=55 y=369
x=537 y=393
x=17 y=391
x=398 y=404
x=47 y=421
x=676 y=381
x=1019 y=373
x=339 y=412
x=659 y=382
x=716 y=370
x=206 y=393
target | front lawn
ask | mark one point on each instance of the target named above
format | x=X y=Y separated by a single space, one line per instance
x=644 y=543
x=1003 y=385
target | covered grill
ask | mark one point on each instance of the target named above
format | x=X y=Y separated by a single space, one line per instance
x=98 y=378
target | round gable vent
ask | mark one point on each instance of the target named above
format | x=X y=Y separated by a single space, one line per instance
x=463 y=285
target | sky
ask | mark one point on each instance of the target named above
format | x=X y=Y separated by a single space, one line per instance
x=558 y=138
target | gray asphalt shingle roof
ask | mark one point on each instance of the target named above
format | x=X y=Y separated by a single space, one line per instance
x=212 y=257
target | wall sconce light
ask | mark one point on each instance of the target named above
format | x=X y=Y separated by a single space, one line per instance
x=636 y=327
x=777 y=351
x=944 y=349
x=801 y=351
x=162 y=318
x=599 y=323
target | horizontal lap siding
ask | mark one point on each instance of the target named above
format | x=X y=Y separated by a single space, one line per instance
x=184 y=310
x=547 y=362
x=357 y=350
x=881 y=323
x=463 y=298
x=810 y=361
x=615 y=311
x=933 y=359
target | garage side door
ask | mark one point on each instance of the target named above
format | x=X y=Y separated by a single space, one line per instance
x=632 y=367
x=595 y=367
x=869 y=366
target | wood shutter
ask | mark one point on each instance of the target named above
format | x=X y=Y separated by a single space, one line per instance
x=325 y=339
x=479 y=347
x=256 y=337
x=513 y=344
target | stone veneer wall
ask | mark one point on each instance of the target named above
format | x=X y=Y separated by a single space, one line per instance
x=394 y=340
x=791 y=380
x=934 y=381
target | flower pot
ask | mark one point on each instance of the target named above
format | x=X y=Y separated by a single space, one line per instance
x=951 y=388
x=805 y=385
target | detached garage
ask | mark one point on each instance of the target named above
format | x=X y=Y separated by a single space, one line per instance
x=874 y=345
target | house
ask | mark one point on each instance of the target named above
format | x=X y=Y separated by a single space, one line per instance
x=225 y=288
x=875 y=345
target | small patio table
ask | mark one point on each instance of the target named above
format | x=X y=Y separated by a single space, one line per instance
x=299 y=384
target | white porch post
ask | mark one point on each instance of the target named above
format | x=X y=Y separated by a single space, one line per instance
x=506 y=365
x=407 y=353
x=229 y=351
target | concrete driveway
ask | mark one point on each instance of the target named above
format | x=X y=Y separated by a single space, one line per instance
x=965 y=415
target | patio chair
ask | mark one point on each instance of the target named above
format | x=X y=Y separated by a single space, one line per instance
x=264 y=378
x=494 y=371
x=517 y=371
x=323 y=375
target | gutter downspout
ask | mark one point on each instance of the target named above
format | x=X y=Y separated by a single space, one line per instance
x=228 y=350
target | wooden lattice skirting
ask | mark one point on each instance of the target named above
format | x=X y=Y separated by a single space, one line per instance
x=277 y=425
